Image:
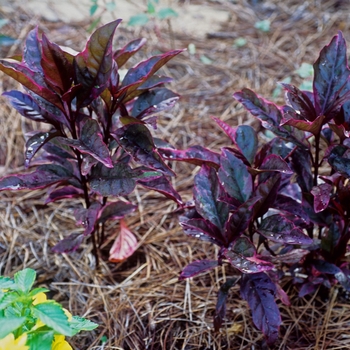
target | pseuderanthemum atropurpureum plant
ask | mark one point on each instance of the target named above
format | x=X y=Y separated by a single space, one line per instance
x=282 y=205
x=99 y=145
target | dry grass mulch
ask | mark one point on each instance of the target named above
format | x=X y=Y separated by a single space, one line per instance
x=139 y=303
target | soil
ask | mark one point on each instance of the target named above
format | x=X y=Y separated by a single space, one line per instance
x=139 y=303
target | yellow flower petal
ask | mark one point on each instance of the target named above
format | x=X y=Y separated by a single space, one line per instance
x=59 y=343
x=39 y=298
x=10 y=343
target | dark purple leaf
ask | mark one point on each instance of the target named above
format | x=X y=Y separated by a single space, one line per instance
x=69 y=244
x=240 y=219
x=300 y=102
x=206 y=192
x=30 y=109
x=32 y=51
x=153 y=101
x=56 y=148
x=203 y=230
x=88 y=217
x=57 y=68
x=220 y=310
x=343 y=277
x=93 y=66
x=339 y=161
x=28 y=78
x=331 y=238
x=331 y=74
x=322 y=195
x=259 y=291
x=36 y=142
x=197 y=267
x=267 y=191
x=279 y=229
x=117 y=181
x=115 y=210
x=306 y=289
x=230 y=131
x=90 y=142
x=235 y=177
x=288 y=204
x=196 y=155
x=274 y=163
x=154 y=81
x=325 y=267
x=301 y=164
x=290 y=258
x=43 y=176
x=121 y=56
x=269 y=114
x=136 y=140
x=163 y=186
x=62 y=193
x=87 y=164
x=247 y=141
x=314 y=127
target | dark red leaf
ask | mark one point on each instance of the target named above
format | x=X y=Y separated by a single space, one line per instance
x=69 y=244
x=339 y=161
x=154 y=81
x=230 y=131
x=288 y=204
x=301 y=164
x=206 y=192
x=235 y=177
x=314 y=127
x=259 y=291
x=121 y=56
x=62 y=193
x=322 y=195
x=197 y=267
x=88 y=217
x=115 y=210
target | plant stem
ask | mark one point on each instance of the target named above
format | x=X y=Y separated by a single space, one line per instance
x=317 y=156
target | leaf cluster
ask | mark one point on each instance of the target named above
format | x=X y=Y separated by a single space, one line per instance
x=20 y=313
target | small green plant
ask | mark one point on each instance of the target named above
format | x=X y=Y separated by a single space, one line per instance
x=29 y=321
x=106 y=6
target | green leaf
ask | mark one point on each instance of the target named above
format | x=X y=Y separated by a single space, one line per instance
x=78 y=324
x=166 y=12
x=8 y=299
x=52 y=314
x=110 y=6
x=150 y=8
x=306 y=85
x=138 y=20
x=40 y=340
x=277 y=91
x=3 y=21
x=10 y=324
x=191 y=49
x=6 y=40
x=263 y=26
x=205 y=60
x=93 y=9
x=306 y=70
x=6 y=283
x=239 y=42
x=36 y=291
x=25 y=279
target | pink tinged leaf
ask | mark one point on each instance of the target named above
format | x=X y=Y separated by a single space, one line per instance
x=87 y=164
x=230 y=131
x=121 y=56
x=196 y=155
x=36 y=142
x=88 y=217
x=331 y=74
x=57 y=66
x=154 y=81
x=32 y=51
x=197 y=267
x=118 y=181
x=137 y=140
x=43 y=176
x=90 y=142
x=153 y=101
x=69 y=244
x=282 y=295
x=115 y=210
x=314 y=127
x=322 y=195
x=274 y=162
x=93 y=66
x=259 y=291
x=307 y=288
x=124 y=246
x=31 y=80
x=290 y=258
x=163 y=186
x=63 y=193
x=235 y=177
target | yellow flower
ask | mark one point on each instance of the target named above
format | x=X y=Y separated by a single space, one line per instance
x=10 y=343
x=59 y=343
x=39 y=298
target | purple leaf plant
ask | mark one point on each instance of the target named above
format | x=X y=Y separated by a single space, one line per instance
x=98 y=145
x=282 y=205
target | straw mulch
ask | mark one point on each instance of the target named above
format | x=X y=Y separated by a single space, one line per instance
x=139 y=303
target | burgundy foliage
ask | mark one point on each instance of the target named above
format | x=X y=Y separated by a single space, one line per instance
x=269 y=206
x=98 y=144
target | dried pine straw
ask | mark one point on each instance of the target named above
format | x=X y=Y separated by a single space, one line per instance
x=139 y=303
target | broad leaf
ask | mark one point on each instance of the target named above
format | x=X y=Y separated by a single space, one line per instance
x=247 y=141
x=277 y=228
x=25 y=279
x=197 y=267
x=81 y=324
x=325 y=267
x=291 y=118
x=88 y=217
x=41 y=340
x=117 y=181
x=322 y=195
x=69 y=244
x=339 y=160
x=115 y=210
x=52 y=314
x=259 y=291
x=32 y=51
x=121 y=56
x=206 y=192
x=136 y=139
x=154 y=81
x=331 y=74
x=9 y=325
x=290 y=205
x=235 y=177
x=93 y=66
x=301 y=164
x=124 y=245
